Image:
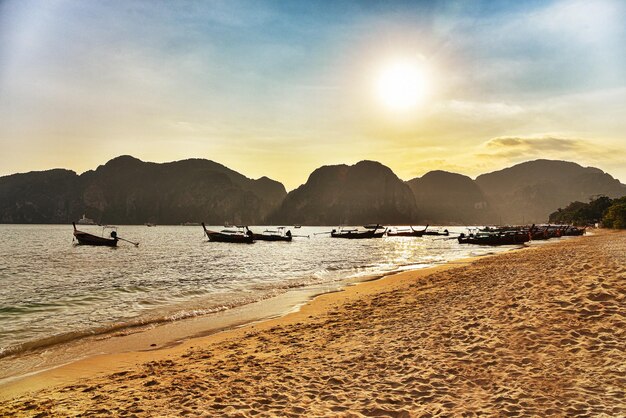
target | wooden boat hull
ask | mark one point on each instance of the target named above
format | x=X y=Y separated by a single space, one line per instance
x=266 y=237
x=496 y=240
x=540 y=236
x=574 y=232
x=555 y=232
x=215 y=236
x=406 y=234
x=357 y=235
x=84 y=238
x=437 y=233
x=219 y=237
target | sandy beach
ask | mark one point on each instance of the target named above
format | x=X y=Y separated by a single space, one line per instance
x=535 y=332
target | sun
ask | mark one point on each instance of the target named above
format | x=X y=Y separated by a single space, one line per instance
x=401 y=85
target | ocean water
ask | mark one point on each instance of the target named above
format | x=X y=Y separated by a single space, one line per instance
x=52 y=291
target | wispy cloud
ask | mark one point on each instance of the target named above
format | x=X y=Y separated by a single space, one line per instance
x=512 y=146
x=512 y=149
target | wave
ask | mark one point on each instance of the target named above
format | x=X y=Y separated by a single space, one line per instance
x=262 y=292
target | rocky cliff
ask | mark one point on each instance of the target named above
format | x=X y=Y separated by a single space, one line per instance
x=51 y=196
x=367 y=192
x=530 y=191
x=450 y=199
x=128 y=190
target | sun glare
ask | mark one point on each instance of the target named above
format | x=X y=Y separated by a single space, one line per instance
x=401 y=85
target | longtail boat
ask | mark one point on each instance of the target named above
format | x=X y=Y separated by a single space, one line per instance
x=540 y=232
x=85 y=238
x=241 y=235
x=407 y=232
x=573 y=231
x=487 y=237
x=437 y=232
x=371 y=232
x=279 y=234
x=544 y=232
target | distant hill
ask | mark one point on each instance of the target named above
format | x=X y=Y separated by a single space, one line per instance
x=366 y=192
x=530 y=191
x=50 y=196
x=450 y=198
x=128 y=190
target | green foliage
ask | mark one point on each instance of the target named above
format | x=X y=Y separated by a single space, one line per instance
x=598 y=206
x=579 y=213
x=619 y=201
x=616 y=215
x=612 y=213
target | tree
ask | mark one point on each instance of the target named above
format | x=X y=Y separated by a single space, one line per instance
x=598 y=207
x=579 y=213
x=569 y=214
x=616 y=216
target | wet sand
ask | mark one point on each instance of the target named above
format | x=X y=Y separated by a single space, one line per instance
x=540 y=331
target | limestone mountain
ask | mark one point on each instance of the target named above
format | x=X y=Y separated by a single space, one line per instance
x=530 y=191
x=128 y=190
x=446 y=198
x=50 y=196
x=366 y=192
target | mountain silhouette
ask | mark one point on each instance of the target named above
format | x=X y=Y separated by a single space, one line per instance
x=126 y=190
x=450 y=199
x=530 y=191
x=367 y=192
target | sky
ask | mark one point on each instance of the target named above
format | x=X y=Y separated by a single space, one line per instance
x=279 y=88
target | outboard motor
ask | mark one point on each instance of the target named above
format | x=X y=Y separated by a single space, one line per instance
x=113 y=234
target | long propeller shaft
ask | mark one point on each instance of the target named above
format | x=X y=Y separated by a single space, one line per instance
x=136 y=244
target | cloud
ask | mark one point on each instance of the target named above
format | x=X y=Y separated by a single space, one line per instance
x=516 y=148
x=524 y=145
x=505 y=151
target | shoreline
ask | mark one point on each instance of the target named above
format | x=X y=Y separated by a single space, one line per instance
x=100 y=312
x=159 y=335
x=519 y=333
x=163 y=334
x=206 y=327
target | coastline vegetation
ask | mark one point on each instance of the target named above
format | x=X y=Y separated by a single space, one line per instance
x=611 y=213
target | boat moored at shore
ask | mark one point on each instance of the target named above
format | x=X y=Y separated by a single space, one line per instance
x=355 y=233
x=412 y=232
x=85 y=238
x=241 y=235
x=278 y=234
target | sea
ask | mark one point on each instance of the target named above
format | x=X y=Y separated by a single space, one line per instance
x=53 y=291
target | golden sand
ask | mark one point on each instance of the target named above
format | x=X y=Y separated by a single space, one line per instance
x=536 y=332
